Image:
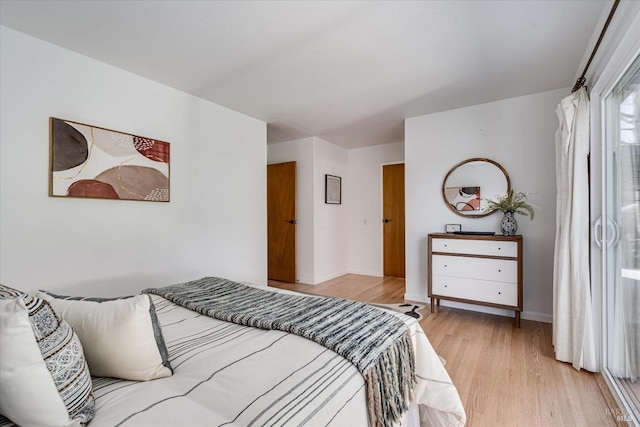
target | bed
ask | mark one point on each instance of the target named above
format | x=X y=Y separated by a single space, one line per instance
x=227 y=374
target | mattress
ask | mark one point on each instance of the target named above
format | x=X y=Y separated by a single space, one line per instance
x=231 y=375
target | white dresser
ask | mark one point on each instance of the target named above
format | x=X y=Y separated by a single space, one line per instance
x=476 y=269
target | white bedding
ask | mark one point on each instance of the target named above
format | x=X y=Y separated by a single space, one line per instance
x=231 y=375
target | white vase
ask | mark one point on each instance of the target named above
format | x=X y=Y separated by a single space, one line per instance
x=508 y=224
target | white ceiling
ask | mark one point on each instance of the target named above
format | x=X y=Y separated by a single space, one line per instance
x=345 y=71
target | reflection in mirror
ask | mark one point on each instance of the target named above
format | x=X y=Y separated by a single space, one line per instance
x=463 y=198
x=470 y=182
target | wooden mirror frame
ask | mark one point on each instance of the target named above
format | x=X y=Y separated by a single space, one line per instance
x=456 y=167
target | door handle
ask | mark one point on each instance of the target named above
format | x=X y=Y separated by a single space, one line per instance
x=386 y=220
x=612 y=238
x=597 y=231
x=615 y=234
x=291 y=221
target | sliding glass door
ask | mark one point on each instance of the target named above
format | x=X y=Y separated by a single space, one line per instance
x=622 y=244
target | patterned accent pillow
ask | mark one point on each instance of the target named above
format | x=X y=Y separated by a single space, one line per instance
x=122 y=337
x=45 y=379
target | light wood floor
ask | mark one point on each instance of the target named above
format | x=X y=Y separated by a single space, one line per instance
x=505 y=376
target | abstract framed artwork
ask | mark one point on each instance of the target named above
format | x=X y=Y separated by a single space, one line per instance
x=94 y=162
x=332 y=190
x=463 y=198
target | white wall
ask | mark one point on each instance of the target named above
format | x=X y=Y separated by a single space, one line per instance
x=519 y=134
x=364 y=194
x=301 y=152
x=322 y=233
x=330 y=226
x=215 y=223
x=333 y=240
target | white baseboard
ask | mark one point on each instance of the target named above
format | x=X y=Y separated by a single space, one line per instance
x=538 y=317
x=328 y=277
x=305 y=280
x=366 y=273
x=416 y=298
x=528 y=315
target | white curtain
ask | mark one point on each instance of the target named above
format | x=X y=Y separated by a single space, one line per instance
x=573 y=337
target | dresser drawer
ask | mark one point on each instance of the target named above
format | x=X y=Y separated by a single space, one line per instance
x=498 y=270
x=475 y=247
x=476 y=290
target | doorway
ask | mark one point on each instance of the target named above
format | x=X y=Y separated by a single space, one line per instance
x=393 y=220
x=281 y=222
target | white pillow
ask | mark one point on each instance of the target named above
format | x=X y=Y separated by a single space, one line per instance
x=121 y=337
x=44 y=378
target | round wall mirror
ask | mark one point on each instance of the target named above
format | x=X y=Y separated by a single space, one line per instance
x=470 y=182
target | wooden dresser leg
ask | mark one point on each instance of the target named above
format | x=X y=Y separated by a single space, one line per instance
x=432 y=304
x=517 y=319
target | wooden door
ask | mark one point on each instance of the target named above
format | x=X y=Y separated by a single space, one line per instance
x=281 y=221
x=393 y=219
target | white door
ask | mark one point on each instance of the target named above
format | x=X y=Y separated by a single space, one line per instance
x=622 y=244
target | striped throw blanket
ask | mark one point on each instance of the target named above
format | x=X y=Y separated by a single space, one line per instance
x=376 y=342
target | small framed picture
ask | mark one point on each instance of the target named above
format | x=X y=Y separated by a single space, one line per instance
x=332 y=190
x=452 y=228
